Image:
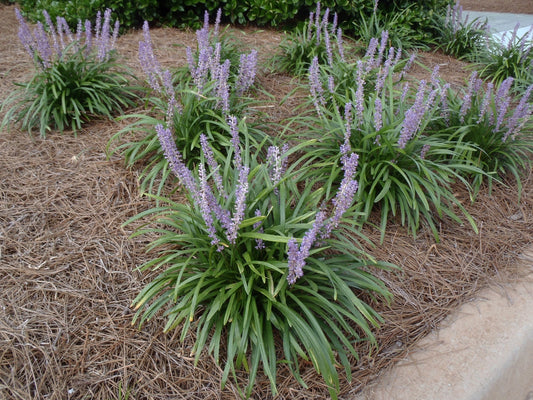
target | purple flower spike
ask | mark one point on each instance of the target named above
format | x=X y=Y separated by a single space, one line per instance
x=520 y=116
x=315 y=86
x=204 y=195
x=378 y=111
x=222 y=89
x=213 y=165
x=247 y=72
x=240 y=203
x=340 y=44
x=25 y=35
x=235 y=141
x=260 y=244
x=413 y=117
x=175 y=161
x=296 y=255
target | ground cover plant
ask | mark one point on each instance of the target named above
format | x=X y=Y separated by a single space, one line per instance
x=246 y=260
x=75 y=80
x=194 y=100
x=460 y=37
x=68 y=278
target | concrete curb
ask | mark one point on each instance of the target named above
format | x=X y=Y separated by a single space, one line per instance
x=484 y=351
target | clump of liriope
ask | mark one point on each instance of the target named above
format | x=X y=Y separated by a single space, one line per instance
x=386 y=124
x=317 y=38
x=193 y=105
x=366 y=76
x=494 y=122
x=460 y=37
x=250 y=262
x=509 y=56
x=77 y=76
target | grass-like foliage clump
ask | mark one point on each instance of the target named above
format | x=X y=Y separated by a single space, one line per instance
x=194 y=102
x=77 y=77
x=460 y=37
x=509 y=56
x=413 y=144
x=250 y=262
x=317 y=37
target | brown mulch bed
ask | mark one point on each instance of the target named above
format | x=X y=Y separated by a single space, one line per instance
x=67 y=266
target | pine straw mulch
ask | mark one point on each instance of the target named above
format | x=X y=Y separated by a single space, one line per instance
x=67 y=270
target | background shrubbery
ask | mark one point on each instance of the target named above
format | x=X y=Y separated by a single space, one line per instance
x=416 y=19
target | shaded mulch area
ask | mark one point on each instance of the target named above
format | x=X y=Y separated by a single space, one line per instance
x=67 y=265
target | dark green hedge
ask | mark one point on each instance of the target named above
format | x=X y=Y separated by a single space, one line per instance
x=180 y=13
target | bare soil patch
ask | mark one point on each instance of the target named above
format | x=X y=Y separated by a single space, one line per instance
x=67 y=266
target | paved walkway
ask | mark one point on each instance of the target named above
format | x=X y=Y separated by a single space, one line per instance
x=502 y=25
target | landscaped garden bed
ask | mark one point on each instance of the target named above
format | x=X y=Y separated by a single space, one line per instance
x=70 y=283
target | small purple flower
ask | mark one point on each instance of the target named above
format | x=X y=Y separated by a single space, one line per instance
x=405 y=90
x=317 y=23
x=348 y=120
x=88 y=37
x=103 y=40
x=25 y=35
x=503 y=100
x=382 y=45
x=445 y=111
x=98 y=25
x=435 y=76
x=43 y=46
x=407 y=66
x=148 y=60
x=335 y=23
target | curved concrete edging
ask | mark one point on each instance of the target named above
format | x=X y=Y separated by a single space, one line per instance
x=484 y=351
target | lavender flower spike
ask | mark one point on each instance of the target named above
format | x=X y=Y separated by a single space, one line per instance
x=205 y=208
x=173 y=157
x=260 y=244
x=315 y=86
x=344 y=197
x=235 y=142
x=213 y=165
x=413 y=117
x=297 y=255
x=240 y=204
